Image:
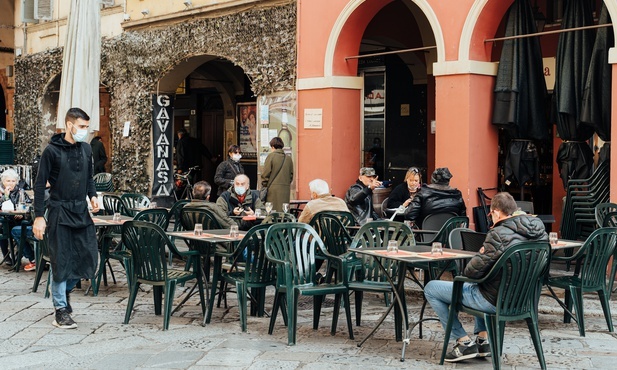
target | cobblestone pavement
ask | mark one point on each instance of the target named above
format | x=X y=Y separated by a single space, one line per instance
x=101 y=341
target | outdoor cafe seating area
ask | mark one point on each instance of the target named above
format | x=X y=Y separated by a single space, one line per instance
x=336 y=268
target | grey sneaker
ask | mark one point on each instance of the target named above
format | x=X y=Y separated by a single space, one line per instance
x=63 y=319
x=462 y=351
x=484 y=348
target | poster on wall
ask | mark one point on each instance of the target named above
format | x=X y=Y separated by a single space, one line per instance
x=246 y=114
x=162 y=144
x=282 y=122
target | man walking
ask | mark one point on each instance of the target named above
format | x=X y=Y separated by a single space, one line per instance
x=66 y=164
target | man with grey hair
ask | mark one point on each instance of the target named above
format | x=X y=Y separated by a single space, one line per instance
x=201 y=199
x=240 y=200
x=321 y=200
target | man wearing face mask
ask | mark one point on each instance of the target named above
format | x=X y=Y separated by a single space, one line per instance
x=240 y=200
x=228 y=170
x=66 y=164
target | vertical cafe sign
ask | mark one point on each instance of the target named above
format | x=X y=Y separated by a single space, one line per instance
x=162 y=141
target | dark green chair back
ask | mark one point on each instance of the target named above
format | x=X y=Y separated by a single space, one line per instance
x=345 y=217
x=602 y=210
x=275 y=217
x=250 y=269
x=175 y=212
x=292 y=247
x=132 y=201
x=443 y=234
x=147 y=242
x=103 y=182
x=113 y=204
x=333 y=233
x=159 y=216
x=190 y=216
x=522 y=269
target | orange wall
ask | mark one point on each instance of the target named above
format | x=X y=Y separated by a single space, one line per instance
x=332 y=152
x=466 y=142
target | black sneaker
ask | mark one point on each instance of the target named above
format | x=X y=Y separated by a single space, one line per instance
x=69 y=309
x=484 y=348
x=63 y=319
x=462 y=351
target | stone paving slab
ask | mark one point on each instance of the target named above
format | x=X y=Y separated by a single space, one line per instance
x=102 y=341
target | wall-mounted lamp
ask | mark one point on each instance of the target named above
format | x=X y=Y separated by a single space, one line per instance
x=9 y=71
x=127 y=17
x=145 y=12
x=188 y=3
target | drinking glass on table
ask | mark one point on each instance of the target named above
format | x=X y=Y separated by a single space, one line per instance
x=436 y=248
x=268 y=207
x=286 y=207
x=392 y=246
x=553 y=238
x=152 y=204
x=233 y=231
x=117 y=216
x=199 y=230
x=258 y=212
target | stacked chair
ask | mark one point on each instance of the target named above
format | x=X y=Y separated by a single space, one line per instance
x=102 y=182
x=583 y=195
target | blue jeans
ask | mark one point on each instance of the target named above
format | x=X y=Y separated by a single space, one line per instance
x=59 y=289
x=439 y=294
x=16 y=234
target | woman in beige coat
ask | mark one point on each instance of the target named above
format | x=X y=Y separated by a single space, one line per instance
x=277 y=175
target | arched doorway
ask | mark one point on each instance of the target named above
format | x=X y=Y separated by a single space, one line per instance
x=207 y=92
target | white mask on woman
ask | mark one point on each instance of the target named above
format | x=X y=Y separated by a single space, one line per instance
x=236 y=157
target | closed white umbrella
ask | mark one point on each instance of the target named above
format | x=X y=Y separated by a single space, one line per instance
x=81 y=62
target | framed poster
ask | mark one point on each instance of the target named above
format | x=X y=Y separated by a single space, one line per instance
x=246 y=115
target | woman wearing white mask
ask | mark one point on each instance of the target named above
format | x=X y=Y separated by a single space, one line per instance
x=228 y=170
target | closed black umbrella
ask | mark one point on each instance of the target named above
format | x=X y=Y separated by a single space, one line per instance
x=574 y=158
x=520 y=89
x=520 y=94
x=596 y=106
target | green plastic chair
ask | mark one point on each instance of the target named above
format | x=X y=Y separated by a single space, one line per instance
x=337 y=241
x=41 y=256
x=175 y=212
x=103 y=182
x=147 y=242
x=522 y=269
x=370 y=277
x=602 y=210
x=250 y=270
x=275 y=217
x=589 y=276
x=133 y=201
x=292 y=246
x=113 y=204
x=190 y=216
x=345 y=217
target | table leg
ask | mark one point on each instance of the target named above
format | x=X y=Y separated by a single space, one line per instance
x=216 y=273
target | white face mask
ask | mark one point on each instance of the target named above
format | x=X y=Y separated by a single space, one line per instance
x=80 y=135
x=240 y=190
x=236 y=157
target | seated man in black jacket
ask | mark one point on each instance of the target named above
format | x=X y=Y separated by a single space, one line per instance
x=508 y=230
x=438 y=197
x=359 y=197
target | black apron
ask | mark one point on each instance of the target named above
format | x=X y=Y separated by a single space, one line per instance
x=73 y=246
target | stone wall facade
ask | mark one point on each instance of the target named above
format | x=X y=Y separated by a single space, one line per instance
x=261 y=41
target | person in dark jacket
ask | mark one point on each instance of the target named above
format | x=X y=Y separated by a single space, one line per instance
x=240 y=200
x=227 y=171
x=201 y=199
x=189 y=152
x=359 y=196
x=438 y=197
x=508 y=230
x=98 y=155
x=66 y=164
x=403 y=194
